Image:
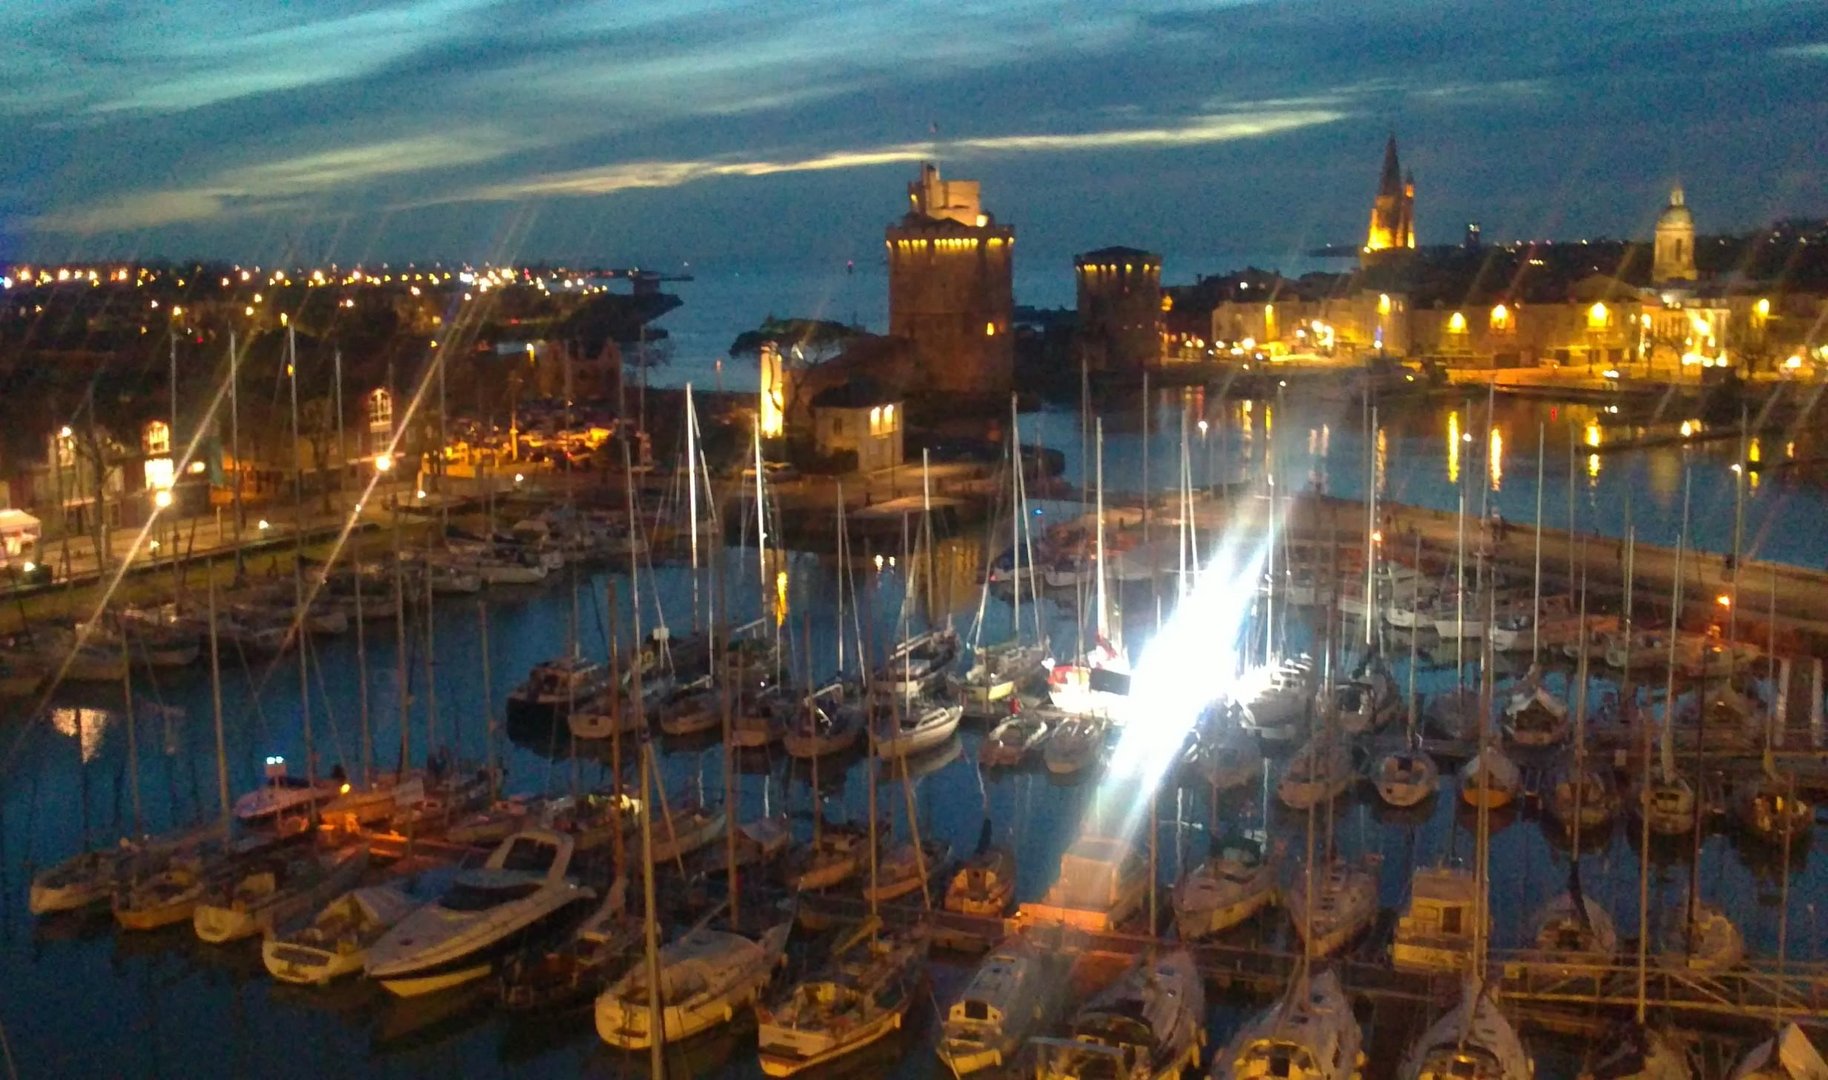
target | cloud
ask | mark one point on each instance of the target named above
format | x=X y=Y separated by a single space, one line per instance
x=274 y=185
x=609 y=179
x=1815 y=51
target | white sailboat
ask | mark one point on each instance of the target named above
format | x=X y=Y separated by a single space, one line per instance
x=335 y=942
x=993 y=1016
x=860 y=997
x=1439 y=929
x=1310 y=1034
x=1148 y=1025
x=1473 y=1041
x=1343 y=905
x=1788 y=1055
x=706 y=977
x=267 y=896
x=1235 y=882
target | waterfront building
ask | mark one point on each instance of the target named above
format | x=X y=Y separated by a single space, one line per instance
x=1120 y=309
x=858 y=424
x=950 y=288
x=1393 y=208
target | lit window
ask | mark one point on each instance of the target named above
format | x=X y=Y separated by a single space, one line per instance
x=1456 y=323
x=380 y=410
x=990 y=329
x=1383 y=303
x=1501 y=318
x=158 y=438
x=1598 y=317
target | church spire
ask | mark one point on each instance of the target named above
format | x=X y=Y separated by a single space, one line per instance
x=1392 y=182
x=1393 y=210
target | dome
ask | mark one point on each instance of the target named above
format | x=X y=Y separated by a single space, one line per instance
x=1676 y=214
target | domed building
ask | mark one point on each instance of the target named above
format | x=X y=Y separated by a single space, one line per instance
x=1674 y=255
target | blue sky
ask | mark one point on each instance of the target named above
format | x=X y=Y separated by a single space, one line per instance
x=725 y=132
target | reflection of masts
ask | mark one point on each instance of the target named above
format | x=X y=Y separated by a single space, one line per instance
x=1580 y=713
x=215 y=699
x=1536 y=588
x=1460 y=594
x=1370 y=529
x=1669 y=714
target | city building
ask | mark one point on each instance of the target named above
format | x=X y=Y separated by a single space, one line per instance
x=1393 y=208
x=1120 y=309
x=950 y=288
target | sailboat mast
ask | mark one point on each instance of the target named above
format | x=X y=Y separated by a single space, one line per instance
x=1015 y=521
x=692 y=493
x=1580 y=715
x=402 y=691
x=298 y=554
x=1370 y=529
x=215 y=699
x=1460 y=592
x=1536 y=578
x=133 y=742
x=488 y=701
x=361 y=681
x=1669 y=702
x=235 y=450
x=1102 y=623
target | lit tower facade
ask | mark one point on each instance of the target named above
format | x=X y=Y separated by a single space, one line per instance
x=1120 y=308
x=950 y=290
x=1674 y=256
x=1393 y=210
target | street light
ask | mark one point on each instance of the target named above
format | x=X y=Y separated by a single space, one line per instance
x=383 y=462
x=162 y=498
x=264 y=525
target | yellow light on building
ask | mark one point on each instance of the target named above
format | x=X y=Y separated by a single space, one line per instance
x=990 y=329
x=1456 y=323
x=1598 y=316
x=1593 y=433
x=1501 y=317
x=1383 y=303
x=1763 y=308
x=772 y=411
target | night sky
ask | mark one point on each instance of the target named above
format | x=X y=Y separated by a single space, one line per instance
x=756 y=133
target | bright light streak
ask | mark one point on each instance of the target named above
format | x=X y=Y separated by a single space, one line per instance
x=1173 y=681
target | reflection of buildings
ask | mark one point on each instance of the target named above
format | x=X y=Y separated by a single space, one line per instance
x=1603 y=305
x=1120 y=309
x=950 y=290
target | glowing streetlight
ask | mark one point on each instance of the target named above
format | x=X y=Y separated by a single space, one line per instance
x=383 y=462
x=162 y=499
x=264 y=525
x=518 y=477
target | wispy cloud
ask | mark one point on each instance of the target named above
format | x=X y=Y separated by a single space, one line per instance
x=609 y=179
x=1815 y=51
x=273 y=185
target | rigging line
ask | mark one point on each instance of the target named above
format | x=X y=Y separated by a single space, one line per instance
x=329 y=709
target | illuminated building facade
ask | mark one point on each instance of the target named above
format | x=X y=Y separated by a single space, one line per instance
x=1120 y=309
x=1674 y=255
x=859 y=417
x=950 y=289
x=1393 y=209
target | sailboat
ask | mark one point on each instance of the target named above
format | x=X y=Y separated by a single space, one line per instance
x=1408 y=776
x=1767 y=808
x=1341 y=905
x=575 y=970
x=1310 y=1034
x=1584 y=797
x=1439 y=929
x=1574 y=930
x=1473 y=1041
x=263 y=897
x=1533 y=716
x=986 y=883
x=1014 y=741
x=825 y=724
x=706 y=976
x=1633 y=1051
x=1319 y=772
x=1237 y=880
x=1004 y=1001
x=997 y=670
x=1148 y=1025
x=1788 y=1055
x=904 y=732
x=334 y=943
x=1076 y=744
x=862 y=995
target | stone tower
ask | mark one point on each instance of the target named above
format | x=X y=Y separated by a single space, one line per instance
x=950 y=288
x=1120 y=309
x=1674 y=257
x=1393 y=210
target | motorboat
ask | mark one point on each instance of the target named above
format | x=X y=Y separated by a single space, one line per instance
x=1278 y=712
x=1406 y=778
x=577 y=969
x=1310 y=1034
x=1490 y=778
x=1344 y=905
x=1436 y=932
x=1319 y=772
x=1148 y=1025
x=1237 y=880
x=1788 y=1055
x=706 y=976
x=553 y=688
x=261 y=897
x=1014 y=740
x=335 y=941
x=486 y=913
x=1005 y=1000
x=610 y=711
x=1099 y=687
x=904 y=732
x=1102 y=882
x=1472 y=1041
x=862 y=995
x=1076 y=744
x=905 y=867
